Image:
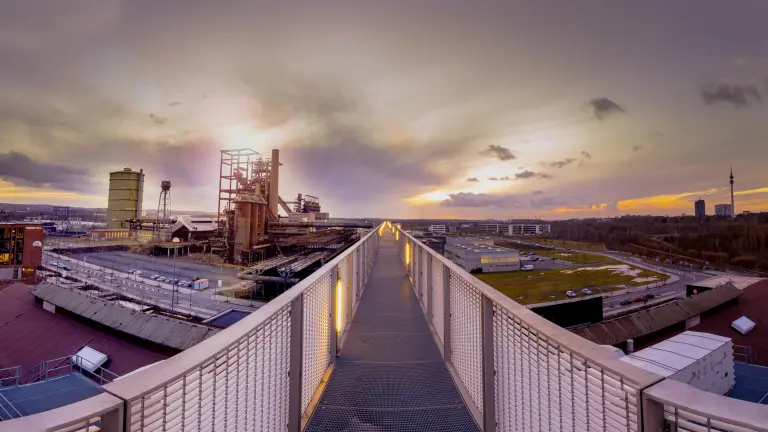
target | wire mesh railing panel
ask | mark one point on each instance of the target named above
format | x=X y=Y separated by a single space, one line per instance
x=540 y=385
x=316 y=343
x=228 y=391
x=436 y=285
x=467 y=335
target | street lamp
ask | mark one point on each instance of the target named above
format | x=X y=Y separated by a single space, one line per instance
x=37 y=245
x=175 y=241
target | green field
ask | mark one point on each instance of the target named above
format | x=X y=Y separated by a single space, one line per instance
x=565 y=243
x=548 y=285
x=565 y=255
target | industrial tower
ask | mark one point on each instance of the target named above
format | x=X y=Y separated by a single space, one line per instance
x=163 y=217
x=733 y=208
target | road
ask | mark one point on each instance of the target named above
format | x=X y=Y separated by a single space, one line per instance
x=202 y=303
x=163 y=266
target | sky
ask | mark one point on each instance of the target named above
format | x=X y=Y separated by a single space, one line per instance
x=397 y=108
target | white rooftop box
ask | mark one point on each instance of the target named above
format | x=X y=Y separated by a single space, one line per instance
x=89 y=359
x=702 y=360
x=743 y=325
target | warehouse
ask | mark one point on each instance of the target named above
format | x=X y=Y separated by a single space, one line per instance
x=488 y=258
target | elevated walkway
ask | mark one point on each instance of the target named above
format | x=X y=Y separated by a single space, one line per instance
x=390 y=375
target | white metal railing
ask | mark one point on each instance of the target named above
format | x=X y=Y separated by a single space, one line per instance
x=260 y=374
x=520 y=372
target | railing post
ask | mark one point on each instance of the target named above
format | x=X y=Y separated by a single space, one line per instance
x=428 y=287
x=489 y=368
x=112 y=421
x=653 y=415
x=333 y=336
x=446 y=313
x=296 y=364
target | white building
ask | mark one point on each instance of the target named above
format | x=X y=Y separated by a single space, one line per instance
x=487 y=257
x=528 y=229
x=723 y=210
x=454 y=240
x=438 y=229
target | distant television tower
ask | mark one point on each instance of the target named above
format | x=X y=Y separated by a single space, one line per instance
x=733 y=208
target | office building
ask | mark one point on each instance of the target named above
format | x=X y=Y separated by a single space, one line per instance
x=489 y=258
x=528 y=229
x=18 y=256
x=700 y=209
x=438 y=229
x=724 y=210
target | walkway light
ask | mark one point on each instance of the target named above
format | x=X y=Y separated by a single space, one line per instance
x=407 y=253
x=339 y=306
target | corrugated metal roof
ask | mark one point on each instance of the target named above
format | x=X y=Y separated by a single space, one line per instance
x=676 y=353
x=650 y=320
x=30 y=335
x=154 y=328
x=739 y=282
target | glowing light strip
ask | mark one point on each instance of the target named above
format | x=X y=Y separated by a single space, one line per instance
x=339 y=304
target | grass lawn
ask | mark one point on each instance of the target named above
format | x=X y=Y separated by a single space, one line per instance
x=565 y=243
x=548 y=285
x=580 y=257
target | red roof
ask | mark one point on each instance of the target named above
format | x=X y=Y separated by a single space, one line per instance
x=30 y=335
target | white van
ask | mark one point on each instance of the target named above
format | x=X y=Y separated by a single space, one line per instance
x=527 y=267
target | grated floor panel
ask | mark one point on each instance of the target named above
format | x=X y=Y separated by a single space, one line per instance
x=390 y=375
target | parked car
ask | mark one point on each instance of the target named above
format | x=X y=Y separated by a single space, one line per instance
x=154 y=277
x=586 y=291
x=185 y=283
x=65 y=267
x=637 y=300
x=138 y=272
x=162 y=279
x=570 y=293
x=625 y=302
x=649 y=296
x=526 y=267
x=132 y=271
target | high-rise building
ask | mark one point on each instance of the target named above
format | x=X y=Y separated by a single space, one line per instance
x=724 y=210
x=18 y=254
x=700 y=208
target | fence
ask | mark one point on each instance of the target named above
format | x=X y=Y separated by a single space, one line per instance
x=261 y=374
x=520 y=372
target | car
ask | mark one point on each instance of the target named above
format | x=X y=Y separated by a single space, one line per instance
x=527 y=267
x=132 y=271
x=649 y=296
x=185 y=283
x=637 y=299
x=138 y=272
x=55 y=263
x=65 y=267
x=162 y=279
x=570 y=293
x=154 y=277
x=625 y=302
x=173 y=281
x=586 y=291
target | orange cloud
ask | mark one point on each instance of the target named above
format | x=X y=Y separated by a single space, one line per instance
x=661 y=202
x=752 y=191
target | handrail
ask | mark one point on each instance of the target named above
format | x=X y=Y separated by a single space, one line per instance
x=685 y=403
x=84 y=413
x=583 y=347
x=155 y=377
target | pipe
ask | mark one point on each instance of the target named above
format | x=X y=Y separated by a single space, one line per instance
x=273 y=181
x=630 y=346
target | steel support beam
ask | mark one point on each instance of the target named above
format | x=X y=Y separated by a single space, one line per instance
x=296 y=363
x=489 y=369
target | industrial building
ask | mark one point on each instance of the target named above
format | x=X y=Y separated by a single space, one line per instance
x=126 y=194
x=110 y=234
x=18 y=255
x=438 y=229
x=700 y=209
x=514 y=229
x=489 y=258
x=724 y=210
x=465 y=240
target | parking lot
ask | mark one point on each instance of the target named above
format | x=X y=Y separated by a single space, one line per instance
x=160 y=266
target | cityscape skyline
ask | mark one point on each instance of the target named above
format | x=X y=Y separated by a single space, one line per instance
x=495 y=110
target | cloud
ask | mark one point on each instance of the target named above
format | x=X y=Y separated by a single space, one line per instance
x=563 y=163
x=737 y=95
x=158 y=119
x=603 y=107
x=586 y=154
x=174 y=104
x=537 y=192
x=502 y=153
x=473 y=179
x=530 y=174
x=22 y=170
x=506 y=201
x=506 y=178
x=637 y=148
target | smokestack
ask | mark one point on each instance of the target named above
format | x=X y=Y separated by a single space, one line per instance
x=273 y=182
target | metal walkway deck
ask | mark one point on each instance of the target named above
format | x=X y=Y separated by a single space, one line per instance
x=390 y=375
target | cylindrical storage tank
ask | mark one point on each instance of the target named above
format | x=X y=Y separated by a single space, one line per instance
x=242 y=227
x=274 y=179
x=126 y=190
